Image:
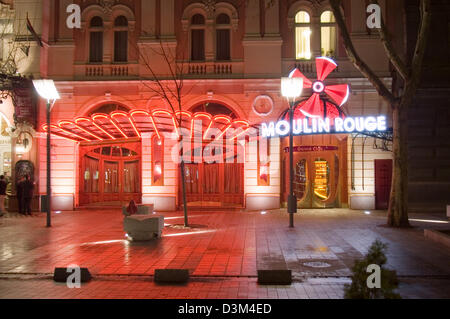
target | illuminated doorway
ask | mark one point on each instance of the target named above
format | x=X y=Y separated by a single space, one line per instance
x=320 y=170
x=110 y=173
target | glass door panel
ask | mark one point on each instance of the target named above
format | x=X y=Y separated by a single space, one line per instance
x=301 y=179
x=131 y=177
x=111 y=184
x=91 y=174
x=321 y=179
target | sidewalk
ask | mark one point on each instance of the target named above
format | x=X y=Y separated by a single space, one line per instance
x=223 y=252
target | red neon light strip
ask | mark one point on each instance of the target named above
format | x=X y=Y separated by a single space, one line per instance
x=65 y=131
x=44 y=127
x=128 y=117
x=111 y=120
x=80 y=128
x=95 y=124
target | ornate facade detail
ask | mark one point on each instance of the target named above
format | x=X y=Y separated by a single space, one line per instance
x=107 y=5
x=210 y=7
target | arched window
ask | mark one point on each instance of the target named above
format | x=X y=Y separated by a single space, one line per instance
x=328 y=34
x=120 y=39
x=303 y=35
x=96 y=40
x=223 y=37
x=198 y=38
x=108 y=109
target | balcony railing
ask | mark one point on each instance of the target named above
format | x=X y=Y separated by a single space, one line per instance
x=198 y=69
x=105 y=71
x=308 y=68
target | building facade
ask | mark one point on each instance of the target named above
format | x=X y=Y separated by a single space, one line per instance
x=107 y=148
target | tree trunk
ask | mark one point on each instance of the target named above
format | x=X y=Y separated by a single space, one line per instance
x=183 y=176
x=398 y=203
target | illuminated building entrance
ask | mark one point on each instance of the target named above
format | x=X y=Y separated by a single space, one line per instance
x=320 y=171
x=110 y=173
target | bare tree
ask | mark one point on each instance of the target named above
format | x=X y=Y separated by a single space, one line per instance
x=171 y=89
x=14 y=49
x=410 y=74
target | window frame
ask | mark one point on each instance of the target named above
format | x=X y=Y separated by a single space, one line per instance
x=96 y=29
x=117 y=29
x=303 y=25
x=330 y=25
x=197 y=27
x=223 y=27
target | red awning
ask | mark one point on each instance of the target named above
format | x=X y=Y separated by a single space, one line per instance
x=122 y=125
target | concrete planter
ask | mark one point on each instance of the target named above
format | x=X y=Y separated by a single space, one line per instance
x=437 y=236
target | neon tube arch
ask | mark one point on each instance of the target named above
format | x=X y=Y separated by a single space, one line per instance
x=120 y=125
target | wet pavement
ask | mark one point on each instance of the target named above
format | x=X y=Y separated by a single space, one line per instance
x=222 y=250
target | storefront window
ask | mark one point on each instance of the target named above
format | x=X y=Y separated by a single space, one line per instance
x=321 y=179
x=303 y=36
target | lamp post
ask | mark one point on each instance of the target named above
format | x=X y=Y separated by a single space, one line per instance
x=47 y=90
x=291 y=88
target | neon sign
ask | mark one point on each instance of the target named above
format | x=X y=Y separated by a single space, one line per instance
x=309 y=126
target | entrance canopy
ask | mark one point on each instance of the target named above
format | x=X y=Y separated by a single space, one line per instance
x=123 y=125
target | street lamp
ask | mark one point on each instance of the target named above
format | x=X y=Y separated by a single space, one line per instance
x=47 y=90
x=291 y=88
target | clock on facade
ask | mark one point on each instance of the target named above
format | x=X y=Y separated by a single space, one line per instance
x=263 y=105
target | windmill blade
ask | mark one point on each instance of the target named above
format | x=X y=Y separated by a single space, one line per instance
x=324 y=66
x=307 y=84
x=312 y=107
x=339 y=93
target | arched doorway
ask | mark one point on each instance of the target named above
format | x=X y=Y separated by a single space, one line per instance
x=219 y=184
x=110 y=172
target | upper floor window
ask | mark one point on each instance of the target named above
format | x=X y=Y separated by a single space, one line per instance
x=198 y=38
x=96 y=40
x=223 y=37
x=120 y=39
x=303 y=35
x=328 y=34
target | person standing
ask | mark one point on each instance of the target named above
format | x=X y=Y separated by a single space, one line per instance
x=27 y=195
x=3 y=185
x=19 y=194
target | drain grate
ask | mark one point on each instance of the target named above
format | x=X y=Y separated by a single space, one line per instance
x=316 y=264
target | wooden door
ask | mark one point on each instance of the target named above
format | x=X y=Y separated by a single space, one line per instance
x=213 y=185
x=110 y=174
x=383 y=181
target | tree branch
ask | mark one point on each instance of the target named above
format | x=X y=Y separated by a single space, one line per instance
x=422 y=39
x=356 y=59
x=395 y=59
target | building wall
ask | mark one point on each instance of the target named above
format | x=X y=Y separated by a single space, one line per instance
x=429 y=116
x=262 y=51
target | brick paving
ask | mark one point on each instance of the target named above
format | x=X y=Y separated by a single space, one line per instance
x=223 y=251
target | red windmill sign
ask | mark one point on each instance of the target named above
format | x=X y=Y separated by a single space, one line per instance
x=317 y=106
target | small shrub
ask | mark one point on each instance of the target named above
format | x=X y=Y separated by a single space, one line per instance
x=389 y=282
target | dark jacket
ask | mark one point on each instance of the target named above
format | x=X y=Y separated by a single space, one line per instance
x=3 y=185
x=27 y=189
